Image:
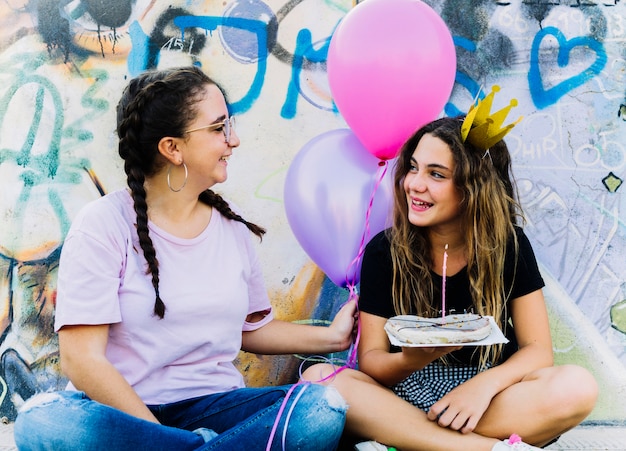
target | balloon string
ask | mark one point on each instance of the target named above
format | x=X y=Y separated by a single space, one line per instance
x=352 y=355
x=351 y=361
x=381 y=171
x=293 y=406
x=280 y=412
x=283 y=405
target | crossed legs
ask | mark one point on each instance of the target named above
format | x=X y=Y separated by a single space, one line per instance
x=539 y=408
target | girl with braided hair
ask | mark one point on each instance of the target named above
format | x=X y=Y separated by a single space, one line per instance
x=160 y=287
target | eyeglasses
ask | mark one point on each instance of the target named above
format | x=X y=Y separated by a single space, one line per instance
x=227 y=126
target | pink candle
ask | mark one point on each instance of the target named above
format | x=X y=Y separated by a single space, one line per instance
x=443 y=284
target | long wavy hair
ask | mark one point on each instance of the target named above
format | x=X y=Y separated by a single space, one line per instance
x=154 y=105
x=489 y=211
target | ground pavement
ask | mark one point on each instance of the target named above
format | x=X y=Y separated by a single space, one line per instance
x=588 y=437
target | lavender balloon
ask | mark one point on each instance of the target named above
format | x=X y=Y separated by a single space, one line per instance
x=329 y=187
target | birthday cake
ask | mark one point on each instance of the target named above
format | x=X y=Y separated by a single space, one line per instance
x=460 y=328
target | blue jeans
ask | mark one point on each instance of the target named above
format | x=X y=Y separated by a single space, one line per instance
x=240 y=419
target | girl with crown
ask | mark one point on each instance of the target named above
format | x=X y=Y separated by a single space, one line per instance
x=455 y=200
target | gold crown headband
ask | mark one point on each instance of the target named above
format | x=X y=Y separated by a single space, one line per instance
x=483 y=130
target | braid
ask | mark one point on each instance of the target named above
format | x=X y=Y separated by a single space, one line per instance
x=215 y=200
x=135 y=182
x=154 y=104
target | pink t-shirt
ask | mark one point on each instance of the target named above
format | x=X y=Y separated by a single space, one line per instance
x=209 y=284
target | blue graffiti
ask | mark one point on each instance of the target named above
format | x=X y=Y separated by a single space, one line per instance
x=257 y=27
x=304 y=51
x=44 y=165
x=138 y=57
x=450 y=109
x=544 y=97
x=41 y=168
x=237 y=42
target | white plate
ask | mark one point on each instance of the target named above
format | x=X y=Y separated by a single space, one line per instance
x=495 y=336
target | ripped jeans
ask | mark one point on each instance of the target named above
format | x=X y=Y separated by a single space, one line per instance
x=242 y=419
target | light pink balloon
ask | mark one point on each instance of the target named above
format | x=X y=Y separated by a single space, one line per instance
x=391 y=67
x=328 y=189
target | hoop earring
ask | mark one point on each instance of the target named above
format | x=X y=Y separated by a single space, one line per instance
x=169 y=184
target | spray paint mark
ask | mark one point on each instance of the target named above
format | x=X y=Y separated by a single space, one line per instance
x=537 y=11
x=305 y=55
x=256 y=27
x=162 y=37
x=47 y=162
x=468 y=19
x=618 y=316
x=612 y=182
x=138 y=56
x=237 y=41
x=463 y=79
x=53 y=28
x=545 y=97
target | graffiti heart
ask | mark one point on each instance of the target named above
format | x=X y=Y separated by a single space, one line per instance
x=544 y=97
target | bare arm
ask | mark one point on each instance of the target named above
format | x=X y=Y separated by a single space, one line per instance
x=84 y=362
x=281 y=337
x=532 y=330
x=386 y=367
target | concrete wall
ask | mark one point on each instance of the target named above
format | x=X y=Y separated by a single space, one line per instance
x=63 y=65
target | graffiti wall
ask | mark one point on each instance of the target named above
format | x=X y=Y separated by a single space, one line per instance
x=64 y=63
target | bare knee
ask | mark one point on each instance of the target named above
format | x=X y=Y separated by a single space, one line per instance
x=327 y=374
x=321 y=373
x=575 y=390
x=584 y=385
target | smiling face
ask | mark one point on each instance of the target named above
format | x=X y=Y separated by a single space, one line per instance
x=205 y=150
x=433 y=199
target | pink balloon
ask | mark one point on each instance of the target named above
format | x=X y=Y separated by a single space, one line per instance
x=391 y=67
x=328 y=189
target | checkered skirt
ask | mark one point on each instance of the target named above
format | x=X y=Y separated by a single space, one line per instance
x=425 y=387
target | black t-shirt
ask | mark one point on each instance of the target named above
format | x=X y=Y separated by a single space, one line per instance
x=376 y=277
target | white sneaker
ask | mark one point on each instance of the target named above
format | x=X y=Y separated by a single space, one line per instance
x=514 y=442
x=370 y=446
